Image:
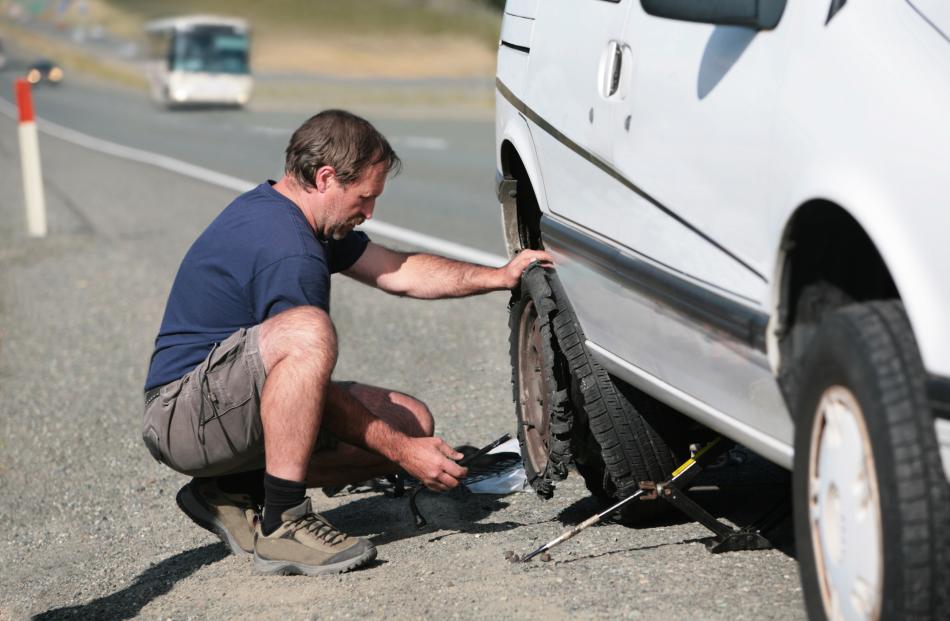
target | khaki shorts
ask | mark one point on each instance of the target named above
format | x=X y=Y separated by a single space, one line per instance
x=208 y=423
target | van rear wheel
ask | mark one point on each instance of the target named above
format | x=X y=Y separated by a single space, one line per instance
x=872 y=504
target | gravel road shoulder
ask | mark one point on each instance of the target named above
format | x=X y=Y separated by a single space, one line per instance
x=91 y=527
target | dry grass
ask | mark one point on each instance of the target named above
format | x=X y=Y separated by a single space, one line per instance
x=470 y=19
x=421 y=102
x=390 y=57
x=369 y=38
x=390 y=39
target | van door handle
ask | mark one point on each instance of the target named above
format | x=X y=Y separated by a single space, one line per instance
x=611 y=68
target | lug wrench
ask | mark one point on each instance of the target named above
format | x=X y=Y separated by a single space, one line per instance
x=416 y=514
x=599 y=516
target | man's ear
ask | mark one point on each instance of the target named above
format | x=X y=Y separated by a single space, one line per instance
x=323 y=177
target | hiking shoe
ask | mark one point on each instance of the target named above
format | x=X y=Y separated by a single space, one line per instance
x=230 y=516
x=306 y=543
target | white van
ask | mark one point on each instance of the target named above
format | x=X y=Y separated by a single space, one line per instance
x=748 y=207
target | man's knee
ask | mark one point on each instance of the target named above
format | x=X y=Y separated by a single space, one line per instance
x=419 y=410
x=304 y=332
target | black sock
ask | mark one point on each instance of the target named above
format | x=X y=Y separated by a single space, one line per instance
x=251 y=483
x=279 y=495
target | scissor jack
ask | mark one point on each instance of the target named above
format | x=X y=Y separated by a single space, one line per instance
x=725 y=538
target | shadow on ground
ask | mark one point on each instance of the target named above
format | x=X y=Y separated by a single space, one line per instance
x=739 y=495
x=151 y=583
x=385 y=519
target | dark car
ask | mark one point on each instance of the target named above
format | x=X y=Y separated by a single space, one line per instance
x=44 y=70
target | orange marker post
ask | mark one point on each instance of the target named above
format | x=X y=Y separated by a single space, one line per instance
x=30 y=162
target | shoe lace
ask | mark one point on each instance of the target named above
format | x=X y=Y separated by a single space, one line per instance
x=317 y=525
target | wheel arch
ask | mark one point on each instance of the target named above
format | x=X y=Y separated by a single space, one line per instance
x=823 y=241
x=520 y=188
x=827 y=259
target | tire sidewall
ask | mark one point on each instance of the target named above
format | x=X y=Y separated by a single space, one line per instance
x=839 y=356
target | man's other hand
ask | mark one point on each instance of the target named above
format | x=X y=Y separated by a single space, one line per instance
x=511 y=273
x=431 y=461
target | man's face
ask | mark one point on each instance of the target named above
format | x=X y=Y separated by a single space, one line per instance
x=348 y=206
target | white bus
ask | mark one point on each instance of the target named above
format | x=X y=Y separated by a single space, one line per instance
x=199 y=59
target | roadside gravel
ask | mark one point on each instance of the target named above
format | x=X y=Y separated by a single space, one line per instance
x=91 y=527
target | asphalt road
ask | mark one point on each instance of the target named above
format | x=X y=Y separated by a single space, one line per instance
x=91 y=529
x=446 y=189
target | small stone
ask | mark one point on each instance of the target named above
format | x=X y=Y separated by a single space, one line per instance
x=545 y=557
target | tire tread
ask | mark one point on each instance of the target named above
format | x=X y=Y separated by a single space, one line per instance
x=915 y=495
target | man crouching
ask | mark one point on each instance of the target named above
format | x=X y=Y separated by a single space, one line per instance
x=239 y=392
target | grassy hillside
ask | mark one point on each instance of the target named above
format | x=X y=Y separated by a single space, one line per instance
x=352 y=38
x=475 y=19
x=331 y=39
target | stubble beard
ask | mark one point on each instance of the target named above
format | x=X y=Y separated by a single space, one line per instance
x=340 y=231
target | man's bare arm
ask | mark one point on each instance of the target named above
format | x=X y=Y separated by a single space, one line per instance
x=429 y=276
x=427 y=459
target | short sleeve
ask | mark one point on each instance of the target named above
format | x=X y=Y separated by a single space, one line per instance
x=293 y=281
x=342 y=254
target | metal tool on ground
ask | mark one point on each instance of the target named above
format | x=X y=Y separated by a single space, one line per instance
x=420 y=521
x=568 y=534
x=588 y=522
x=726 y=537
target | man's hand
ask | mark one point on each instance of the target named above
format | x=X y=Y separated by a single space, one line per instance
x=430 y=461
x=511 y=273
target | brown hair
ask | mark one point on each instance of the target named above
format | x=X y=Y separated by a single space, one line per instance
x=337 y=138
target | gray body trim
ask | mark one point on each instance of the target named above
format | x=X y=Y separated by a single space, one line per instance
x=714 y=311
x=514 y=46
x=773 y=449
x=938 y=394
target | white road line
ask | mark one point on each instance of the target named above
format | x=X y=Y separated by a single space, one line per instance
x=270 y=131
x=424 y=142
x=391 y=231
x=129 y=153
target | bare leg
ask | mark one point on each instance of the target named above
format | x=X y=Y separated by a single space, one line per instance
x=347 y=463
x=298 y=348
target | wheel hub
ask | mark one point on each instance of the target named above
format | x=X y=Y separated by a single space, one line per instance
x=533 y=390
x=844 y=509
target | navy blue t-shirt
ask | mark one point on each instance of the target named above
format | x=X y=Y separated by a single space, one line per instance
x=257 y=258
